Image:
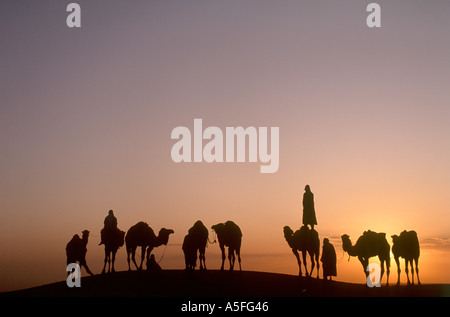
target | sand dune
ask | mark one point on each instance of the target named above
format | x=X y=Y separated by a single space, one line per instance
x=213 y=283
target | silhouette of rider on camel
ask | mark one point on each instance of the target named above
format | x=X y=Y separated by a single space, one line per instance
x=110 y=226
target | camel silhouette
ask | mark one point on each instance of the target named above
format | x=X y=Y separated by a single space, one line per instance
x=230 y=235
x=76 y=250
x=113 y=239
x=406 y=246
x=304 y=240
x=195 y=240
x=368 y=245
x=142 y=235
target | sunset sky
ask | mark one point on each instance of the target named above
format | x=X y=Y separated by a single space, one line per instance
x=86 y=116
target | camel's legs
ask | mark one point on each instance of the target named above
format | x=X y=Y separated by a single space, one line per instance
x=298 y=261
x=201 y=252
x=304 y=262
x=388 y=270
x=130 y=252
x=407 y=271
x=398 y=269
x=200 y=267
x=231 y=257
x=128 y=260
x=412 y=270
x=147 y=257
x=104 y=264
x=83 y=263
x=311 y=256
x=142 y=258
x=318 y=264
x=69 y=261
x=113 y=259
x=203 y=259
x=109 y=261
x=106 y=260
x=416 y=260
x=382 y=264
x=364 y=264
x=133 y=258
x=222 y=248
x=238 y=252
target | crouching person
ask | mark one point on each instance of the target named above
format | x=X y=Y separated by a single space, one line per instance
x=190 y=253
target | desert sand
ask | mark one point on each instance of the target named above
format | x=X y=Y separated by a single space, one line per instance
x=213 y=283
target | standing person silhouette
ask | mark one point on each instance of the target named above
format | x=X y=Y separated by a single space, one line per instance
x=328 y=260
x=309 y=213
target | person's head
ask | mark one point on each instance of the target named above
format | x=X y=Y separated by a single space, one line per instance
x=307 y=189
x=326 y=241
x=111 y=213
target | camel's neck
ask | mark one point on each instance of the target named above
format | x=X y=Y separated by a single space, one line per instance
x=351 y=249
x=160 y=241
x=85 y=240
x=289 y=240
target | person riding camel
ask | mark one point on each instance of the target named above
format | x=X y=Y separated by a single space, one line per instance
x=110 y=220
x=110 y=225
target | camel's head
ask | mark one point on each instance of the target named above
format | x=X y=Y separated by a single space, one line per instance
x=288 y=235
x=346 y=243
x=218 y=228
x=85 y=234
x=287 y=232
x=164 y=234
x=394 y=238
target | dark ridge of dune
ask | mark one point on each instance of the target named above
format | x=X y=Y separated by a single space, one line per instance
x=213 y=283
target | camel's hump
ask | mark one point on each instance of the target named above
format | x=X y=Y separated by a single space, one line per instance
x=230 y=224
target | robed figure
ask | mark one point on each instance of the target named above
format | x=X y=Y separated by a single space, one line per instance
x=328 y=260
x=309 y=213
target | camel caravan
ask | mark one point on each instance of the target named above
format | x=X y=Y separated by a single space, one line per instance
x=372 y=244
x=305 y=240
x=142 y=235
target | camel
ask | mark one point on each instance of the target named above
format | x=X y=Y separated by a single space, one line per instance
x=142 y=235
x=196 y=240
x=76 y=250
x=230 y=235
x=406 y=246
x=304 y=240
x=113 y=239
x=368 y=245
